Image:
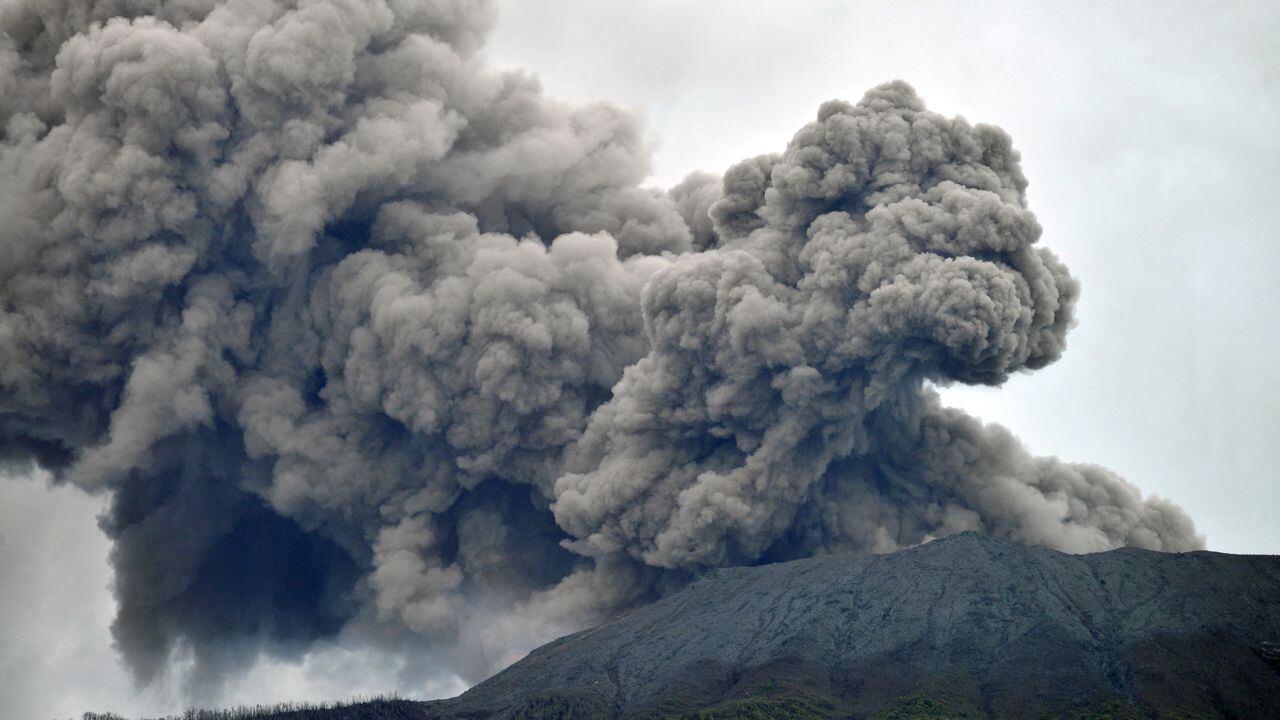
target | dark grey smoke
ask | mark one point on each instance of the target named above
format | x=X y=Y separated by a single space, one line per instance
x=357 y=332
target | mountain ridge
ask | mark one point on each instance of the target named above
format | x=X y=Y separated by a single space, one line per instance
x=967 y=626
x=970 y=616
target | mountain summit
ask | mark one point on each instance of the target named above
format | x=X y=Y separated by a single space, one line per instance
x=966 y=626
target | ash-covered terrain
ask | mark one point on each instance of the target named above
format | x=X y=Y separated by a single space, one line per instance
x=963 y=627
x=982 y=627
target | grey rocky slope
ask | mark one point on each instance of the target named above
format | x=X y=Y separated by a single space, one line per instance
x=975 y=624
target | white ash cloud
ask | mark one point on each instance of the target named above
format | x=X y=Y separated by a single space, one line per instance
x=358 y=332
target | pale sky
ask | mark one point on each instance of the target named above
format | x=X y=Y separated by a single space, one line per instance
x=1146 y=130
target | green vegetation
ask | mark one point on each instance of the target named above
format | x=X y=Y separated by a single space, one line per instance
x=376 y=708
x=1112 y=711
x=565 y=705
x=783 y=701
x=769 y=701
x=912 y=707
x=936 y=699
x=1120 y=710
x=763 y=708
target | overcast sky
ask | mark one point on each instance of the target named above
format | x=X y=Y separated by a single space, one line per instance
x=1146 y=130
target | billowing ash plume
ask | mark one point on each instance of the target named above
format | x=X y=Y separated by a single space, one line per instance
x=356 y=331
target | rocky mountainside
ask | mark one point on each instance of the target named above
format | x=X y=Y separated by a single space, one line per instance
x=964 y=627
x=967 y=626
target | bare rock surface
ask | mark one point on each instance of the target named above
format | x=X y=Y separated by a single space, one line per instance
x=979 y=625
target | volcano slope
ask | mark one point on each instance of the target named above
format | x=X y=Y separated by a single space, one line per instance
x=966 y=626
x=963 y=627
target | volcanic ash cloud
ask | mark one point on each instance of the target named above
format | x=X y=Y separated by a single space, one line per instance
x=358 y=333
